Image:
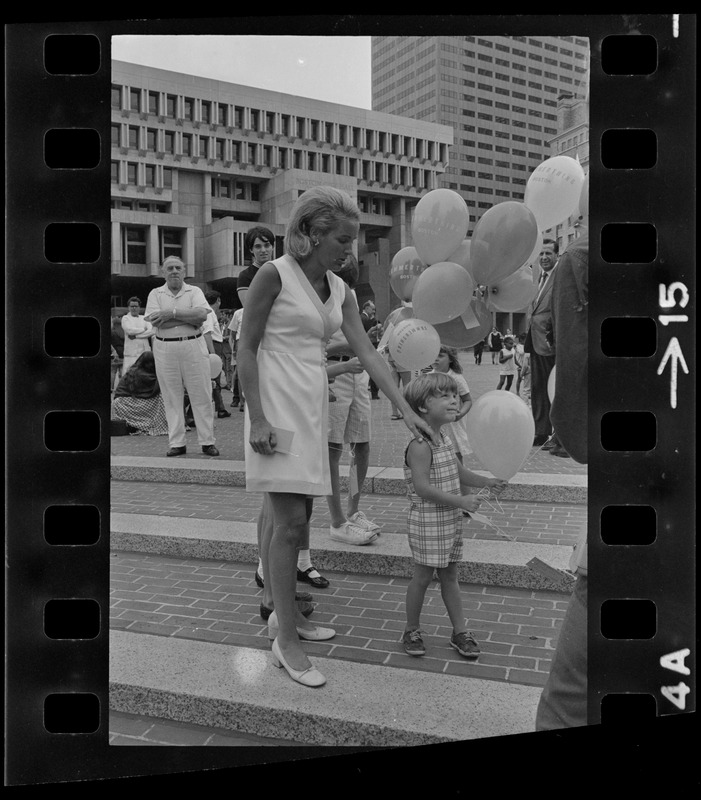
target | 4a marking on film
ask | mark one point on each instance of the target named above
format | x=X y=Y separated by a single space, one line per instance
x=675 y=662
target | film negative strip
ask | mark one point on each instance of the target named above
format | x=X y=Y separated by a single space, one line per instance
x=641 y=579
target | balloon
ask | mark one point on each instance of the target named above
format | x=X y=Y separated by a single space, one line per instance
x=584 y=198
x=439 y=224
x=513 y=293
x=500 y=428
x=504 y=238
x=414 y=344
x=456 y=333
x=462 y=255
x=442 y=292
x=214 y=365
x=551 y=385
x=553 y=190
x=404 y=272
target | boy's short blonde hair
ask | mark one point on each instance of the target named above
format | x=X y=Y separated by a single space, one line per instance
x=432 y=384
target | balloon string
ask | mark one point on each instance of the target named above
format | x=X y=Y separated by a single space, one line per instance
x=535 y=452
x=491 y=500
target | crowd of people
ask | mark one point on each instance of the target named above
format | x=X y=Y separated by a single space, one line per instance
x=304 y=365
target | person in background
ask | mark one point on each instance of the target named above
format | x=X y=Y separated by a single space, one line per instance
x=234 y=331
x=478 y=349
x=133 y=323
x=541 y=348
x=260 y=243
x=177 y=311
x=215 y=344
x=508 y=368
x=138 y=399
x=448 y=363
x=349 y=423
x=117 y=343
x=563 y=702
x=495 y=341
x=374 y=330
x=523 y=382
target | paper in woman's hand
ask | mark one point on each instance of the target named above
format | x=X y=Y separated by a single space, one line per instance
x=284 y=441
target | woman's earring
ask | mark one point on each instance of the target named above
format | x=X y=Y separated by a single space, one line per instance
x=316 y=242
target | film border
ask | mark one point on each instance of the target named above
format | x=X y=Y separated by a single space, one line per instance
x=38 y=291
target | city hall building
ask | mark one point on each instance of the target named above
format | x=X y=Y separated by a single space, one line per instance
x=197 y=162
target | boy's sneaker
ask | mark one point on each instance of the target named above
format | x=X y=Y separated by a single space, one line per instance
x=413 y=643
x=362 y=521
x=465 y=644
x=349 y=533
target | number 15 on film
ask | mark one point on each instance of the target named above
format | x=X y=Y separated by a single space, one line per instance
x=673 y=353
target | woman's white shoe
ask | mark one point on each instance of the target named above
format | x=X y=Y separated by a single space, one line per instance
x=307 y=677
x=316 y=634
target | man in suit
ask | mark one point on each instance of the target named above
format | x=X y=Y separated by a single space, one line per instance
x=540 y=345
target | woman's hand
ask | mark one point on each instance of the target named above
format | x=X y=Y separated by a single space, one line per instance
x=262 y=437
x=419 y=428
x=497 y=485
x=354 y=366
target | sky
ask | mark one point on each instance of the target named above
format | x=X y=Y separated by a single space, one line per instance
x=331 y=68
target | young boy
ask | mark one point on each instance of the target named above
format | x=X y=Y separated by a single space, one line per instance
x=437 y=486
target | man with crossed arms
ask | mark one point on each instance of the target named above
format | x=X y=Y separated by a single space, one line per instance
x=177 y=311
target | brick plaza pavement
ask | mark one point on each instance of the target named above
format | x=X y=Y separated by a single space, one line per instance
x=218 y=601
x=389 y=437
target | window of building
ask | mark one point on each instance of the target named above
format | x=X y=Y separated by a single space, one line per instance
x=202 y=147
x=116 y=96
x=153 y=103
x=151 y=139
x=187 y=144
x=170 y=243
x=114 y=172
x=150 y=175
x=132 y=172
x=219 y=149
x=188 y=108
x=206 y=111
x=169 y=142
x=238 y=117
x=135 y=99
x=171 y=105
x=133 y=137
x=167 y=178
x=133 y=245
x=115 y=135
x=221 y=114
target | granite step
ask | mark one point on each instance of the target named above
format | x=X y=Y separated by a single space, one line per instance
x=533 y=487
x=486 y=562
x=238 y=688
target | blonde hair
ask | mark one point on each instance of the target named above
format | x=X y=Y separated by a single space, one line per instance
x=322 y=208
x=452 y=354
x=432 y=384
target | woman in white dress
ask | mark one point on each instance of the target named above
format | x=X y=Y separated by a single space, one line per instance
x=294 y=304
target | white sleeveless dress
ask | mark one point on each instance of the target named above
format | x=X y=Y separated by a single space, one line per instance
x=293 y=384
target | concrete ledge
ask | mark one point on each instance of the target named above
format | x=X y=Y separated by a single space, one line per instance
x=491 y=563
x=531 y=487
x=238 y=688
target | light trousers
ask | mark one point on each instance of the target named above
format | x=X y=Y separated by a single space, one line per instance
x=184 y=366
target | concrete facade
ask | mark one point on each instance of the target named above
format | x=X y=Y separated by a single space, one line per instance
x=197 y=162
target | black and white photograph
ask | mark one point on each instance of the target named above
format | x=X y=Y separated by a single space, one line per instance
x=353 y=464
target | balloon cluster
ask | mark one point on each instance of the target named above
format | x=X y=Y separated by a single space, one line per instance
x=450 y=284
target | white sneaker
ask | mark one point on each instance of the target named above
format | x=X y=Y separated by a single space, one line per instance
x=363 y=522
x=352 y=534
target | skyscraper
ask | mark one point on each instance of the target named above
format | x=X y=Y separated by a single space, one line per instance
x=499 y=94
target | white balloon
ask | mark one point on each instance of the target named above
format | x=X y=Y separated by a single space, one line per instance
x=553 y=190
x=414 y=344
